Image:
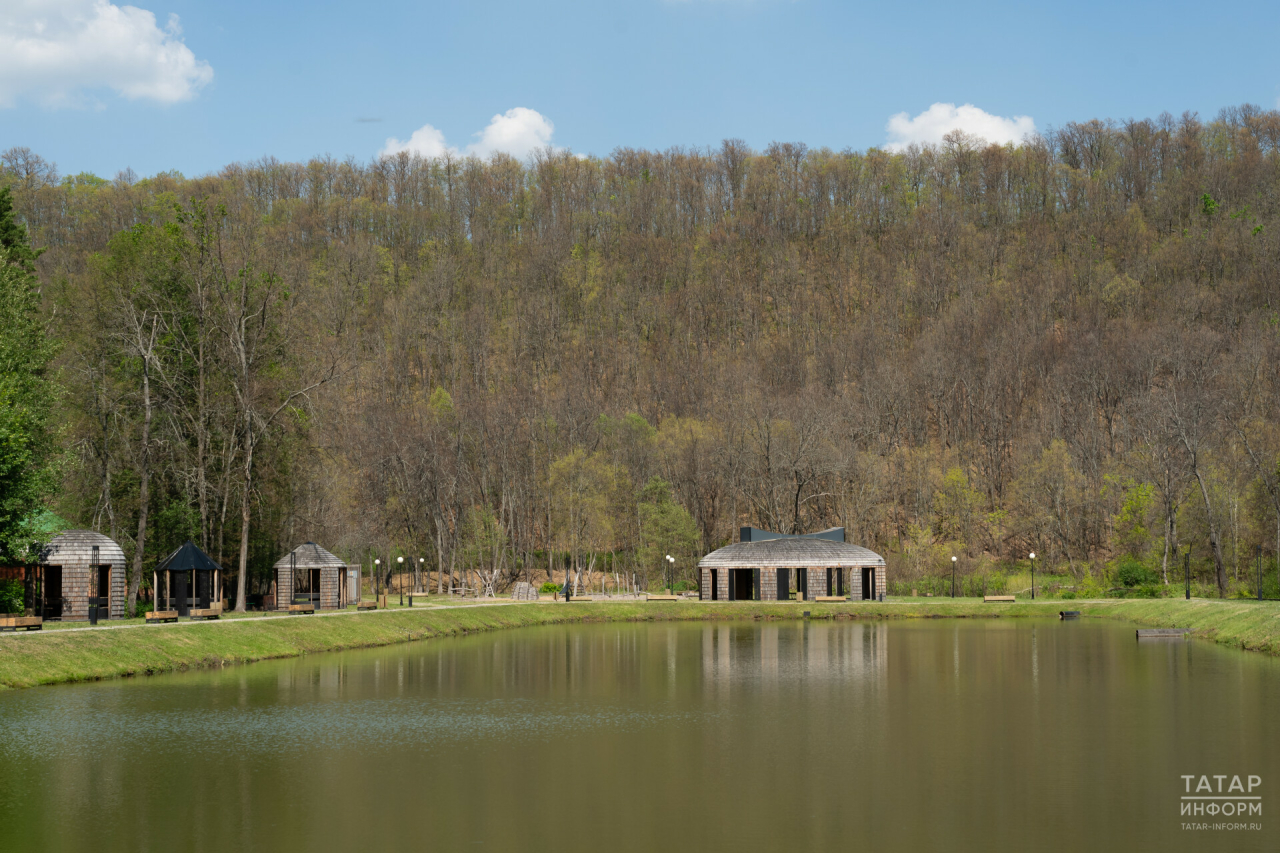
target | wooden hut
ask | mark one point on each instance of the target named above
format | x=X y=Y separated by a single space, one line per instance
x=75 y=566
x=310 y=575
x=815 y=566
x=192 y=584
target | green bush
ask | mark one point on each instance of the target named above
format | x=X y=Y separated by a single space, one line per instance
x=10 y=596
x=1132 y=573
x=685 y=586
x=548 y=588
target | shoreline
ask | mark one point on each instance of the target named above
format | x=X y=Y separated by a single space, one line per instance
x=92 y=654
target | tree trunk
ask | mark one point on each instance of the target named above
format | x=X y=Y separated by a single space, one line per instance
x=244 y=515
x=144 y=483
x=1215 y=537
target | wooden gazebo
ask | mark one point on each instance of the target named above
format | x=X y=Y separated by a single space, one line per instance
x=191 y=587
x=819 y=565
x=75 y=567
x=311 y=576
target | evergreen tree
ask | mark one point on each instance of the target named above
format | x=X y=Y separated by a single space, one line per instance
x=26 y=394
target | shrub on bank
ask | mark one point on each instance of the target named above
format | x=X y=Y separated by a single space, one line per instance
x=10 y=596
x=549 y=588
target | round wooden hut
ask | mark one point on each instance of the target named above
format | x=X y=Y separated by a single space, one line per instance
x=311 y=575
x=74 y=567
x=772 y=569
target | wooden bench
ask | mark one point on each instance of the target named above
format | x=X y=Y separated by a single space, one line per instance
x=831 y=598
x=302 y=609
x=21 y=623
x=662 y=598
x=998 y=598
x=155 y=617
x=366 y=605
x=206 y=613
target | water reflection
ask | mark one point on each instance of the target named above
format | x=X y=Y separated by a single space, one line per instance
x=1002 y=734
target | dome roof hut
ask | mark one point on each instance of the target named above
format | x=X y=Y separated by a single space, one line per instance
x=74 y=566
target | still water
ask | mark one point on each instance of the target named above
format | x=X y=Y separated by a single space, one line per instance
x=939 y=735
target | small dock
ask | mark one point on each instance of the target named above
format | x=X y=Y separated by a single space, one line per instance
x=1162 y=633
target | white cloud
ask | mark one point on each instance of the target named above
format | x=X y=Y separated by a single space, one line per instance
x=426 y=141
x=933 y=124
x=518 y=132
x=52 y=50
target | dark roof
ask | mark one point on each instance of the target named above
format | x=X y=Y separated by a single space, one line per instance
x=187 y=558
x=790 y=553
x=311 y=556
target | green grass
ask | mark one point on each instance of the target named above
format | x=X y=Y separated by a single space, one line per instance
x=62 y=656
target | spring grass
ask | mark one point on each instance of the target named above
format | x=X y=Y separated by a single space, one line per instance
x=65 y=656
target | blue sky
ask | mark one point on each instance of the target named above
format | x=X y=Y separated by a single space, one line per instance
x=99 y=87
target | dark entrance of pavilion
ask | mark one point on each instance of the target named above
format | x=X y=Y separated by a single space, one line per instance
x=182 y=603
x=51 y=593
x=868 y=584
x=104 y=592
x=744 y=584
x=306 y=587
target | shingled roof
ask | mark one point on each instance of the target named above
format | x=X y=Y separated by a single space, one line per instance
x=311 y=556
x=791 y=553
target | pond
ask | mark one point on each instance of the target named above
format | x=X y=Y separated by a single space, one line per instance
x=923 y=735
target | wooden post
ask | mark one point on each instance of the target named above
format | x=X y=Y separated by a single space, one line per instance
x=155 y=590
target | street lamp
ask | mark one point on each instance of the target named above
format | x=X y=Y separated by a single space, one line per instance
x=953 y=577
x=671 y=582
x=400 y=560
x=1033 y=575
x=377 y=579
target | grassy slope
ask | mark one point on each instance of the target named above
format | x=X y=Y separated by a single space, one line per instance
x=59 y=656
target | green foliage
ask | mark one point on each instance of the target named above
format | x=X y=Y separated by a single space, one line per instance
x=10 y=596
x=1207 y=205
x=1130 y=522
x=27 y=452
x=1133 y=573
x=665 y=526
x=549 y=587
x=15 y=247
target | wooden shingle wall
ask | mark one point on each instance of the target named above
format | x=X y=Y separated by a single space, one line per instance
x=72 y=550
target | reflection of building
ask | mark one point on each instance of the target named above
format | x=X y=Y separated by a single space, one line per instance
x=768 y=566
x=838 y=652
x=75 y=566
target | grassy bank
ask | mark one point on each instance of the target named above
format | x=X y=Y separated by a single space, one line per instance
x=62 y=656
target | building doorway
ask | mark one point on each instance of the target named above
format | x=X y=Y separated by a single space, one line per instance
x=51 y=593
x=742 y=584
x=868 y=584
x=104 y=592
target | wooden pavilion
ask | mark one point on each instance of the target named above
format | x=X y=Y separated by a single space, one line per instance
x=768 y=566
x=310 y=575
x=78 y=566
x=192 y=585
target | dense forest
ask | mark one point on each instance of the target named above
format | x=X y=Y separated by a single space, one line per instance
x=504 y=369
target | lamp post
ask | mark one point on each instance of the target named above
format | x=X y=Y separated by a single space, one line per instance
x=1186 y=565
x=400 y=566
x=953 y=576
x=1033 y=575
x=671 y=574
x=1259 y=572
x=377 y=580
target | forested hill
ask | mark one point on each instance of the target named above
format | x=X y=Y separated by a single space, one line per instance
x=1067 y=347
